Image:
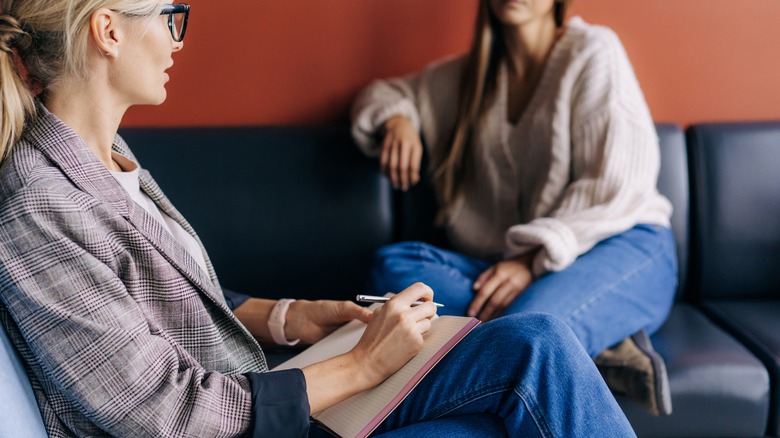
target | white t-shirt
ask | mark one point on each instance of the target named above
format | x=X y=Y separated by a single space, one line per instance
x=128 y=178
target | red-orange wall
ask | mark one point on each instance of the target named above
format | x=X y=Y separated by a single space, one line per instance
x=250 y=62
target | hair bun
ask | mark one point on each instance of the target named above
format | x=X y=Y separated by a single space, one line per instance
x=12 y=35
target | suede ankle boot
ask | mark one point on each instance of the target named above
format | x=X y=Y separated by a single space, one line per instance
x=634 y=368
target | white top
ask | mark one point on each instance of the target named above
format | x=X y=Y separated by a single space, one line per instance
x=580 y=165
x=128 y=178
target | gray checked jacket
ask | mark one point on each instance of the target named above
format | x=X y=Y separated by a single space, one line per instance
x=121 y=332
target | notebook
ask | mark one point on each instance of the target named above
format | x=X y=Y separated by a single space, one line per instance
x=360 y=414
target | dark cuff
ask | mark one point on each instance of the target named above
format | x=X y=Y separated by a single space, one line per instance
x=280 y=404
x=234 y=299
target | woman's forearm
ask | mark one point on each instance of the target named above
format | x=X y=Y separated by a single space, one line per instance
x=335 y=380
x=254 y=314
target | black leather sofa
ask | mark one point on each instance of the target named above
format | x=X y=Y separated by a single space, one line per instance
x=297 y=211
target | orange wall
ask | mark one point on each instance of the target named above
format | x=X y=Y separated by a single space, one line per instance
x=252 y=62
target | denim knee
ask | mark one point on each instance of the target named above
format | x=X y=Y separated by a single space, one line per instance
x=393 y=250
x=533 y=329
x=392 y=266
x=388 y=256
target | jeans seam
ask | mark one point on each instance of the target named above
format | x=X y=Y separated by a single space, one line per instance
x=536 y=414
x=531 y=407
x=612 y=286
x=452 y=272
x=474 y=396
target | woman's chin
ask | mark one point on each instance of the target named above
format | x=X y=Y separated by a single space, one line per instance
x=158 y=100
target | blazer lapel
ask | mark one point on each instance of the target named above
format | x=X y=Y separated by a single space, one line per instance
x=174 y=252
x=150 y=187
x=163 y=240
x=68 y=152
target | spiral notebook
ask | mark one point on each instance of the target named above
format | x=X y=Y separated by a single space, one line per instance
x=359 y=415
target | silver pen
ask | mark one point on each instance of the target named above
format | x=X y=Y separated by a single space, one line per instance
x=375 y=299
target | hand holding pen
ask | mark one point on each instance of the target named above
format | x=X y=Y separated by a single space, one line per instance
x=376 y=299
x=395 y=333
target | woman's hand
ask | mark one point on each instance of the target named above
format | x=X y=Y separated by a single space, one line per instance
x=401 y=153
x=395 y=334
x=498 y=286
x=392 y=338
x=311 y=321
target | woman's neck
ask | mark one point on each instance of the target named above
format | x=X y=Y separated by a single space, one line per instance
x=529 y=45
x=91 y=114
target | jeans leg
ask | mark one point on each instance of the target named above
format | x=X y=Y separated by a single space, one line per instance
x=527 y=369
x=463 y=426
x=448 y=273
x=622 y=285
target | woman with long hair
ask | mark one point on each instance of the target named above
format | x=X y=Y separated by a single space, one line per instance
x=111 y=300
x=544 y=159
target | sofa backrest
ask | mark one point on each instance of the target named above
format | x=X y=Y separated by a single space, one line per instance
x=736 y=210
x=19 y=414
x=282 y=211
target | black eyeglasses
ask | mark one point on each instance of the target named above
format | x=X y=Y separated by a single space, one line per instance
x=178 y=14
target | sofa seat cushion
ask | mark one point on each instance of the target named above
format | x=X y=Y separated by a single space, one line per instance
x=755 y=324
x=719 y=388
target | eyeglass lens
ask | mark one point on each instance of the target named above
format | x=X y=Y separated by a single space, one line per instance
x=177 y=25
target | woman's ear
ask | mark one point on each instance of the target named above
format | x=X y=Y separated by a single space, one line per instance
x=105 y=31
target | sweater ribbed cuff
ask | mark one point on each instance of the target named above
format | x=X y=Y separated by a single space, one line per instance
x=558 y=242
x=367 y=127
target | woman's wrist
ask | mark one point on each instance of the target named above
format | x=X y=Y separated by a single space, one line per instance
x=336 y=379
x=527 y=260
x=393 y=121
x=364 y=369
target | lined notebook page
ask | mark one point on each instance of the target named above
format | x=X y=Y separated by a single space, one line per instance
x=362 y=413
x=339 y=342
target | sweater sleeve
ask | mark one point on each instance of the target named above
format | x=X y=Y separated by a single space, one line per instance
x=381 y=100
x=614 y=165
x=427 y=98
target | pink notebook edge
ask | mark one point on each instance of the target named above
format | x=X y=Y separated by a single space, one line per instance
x=418 y=376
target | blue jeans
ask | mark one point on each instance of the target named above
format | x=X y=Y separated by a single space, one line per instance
x=543 y=385
x=622 y=285
x=523 y=375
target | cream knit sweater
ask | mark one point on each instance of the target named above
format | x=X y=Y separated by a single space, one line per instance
x=580 y=165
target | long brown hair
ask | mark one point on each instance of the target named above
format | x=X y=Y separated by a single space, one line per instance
x=478 y=86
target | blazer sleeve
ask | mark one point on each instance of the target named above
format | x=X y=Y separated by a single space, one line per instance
x=93 y=347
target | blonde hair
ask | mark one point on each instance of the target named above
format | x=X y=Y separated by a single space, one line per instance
x=40 y=41
x=477 y=92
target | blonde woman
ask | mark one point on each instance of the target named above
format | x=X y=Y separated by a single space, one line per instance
x=115 y=308
x=544 y=159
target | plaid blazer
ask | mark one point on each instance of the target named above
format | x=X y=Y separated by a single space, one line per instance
x=120 y=330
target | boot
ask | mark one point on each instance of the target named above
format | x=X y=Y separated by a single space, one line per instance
x=634 y=368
